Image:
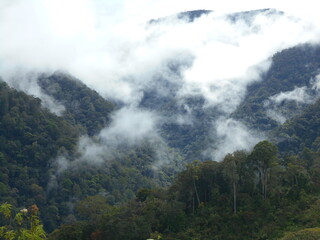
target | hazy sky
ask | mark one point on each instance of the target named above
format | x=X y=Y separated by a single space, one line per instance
x=146 y=9
x=165 y=7
x=102 y=42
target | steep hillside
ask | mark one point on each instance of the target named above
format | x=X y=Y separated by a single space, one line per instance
x=83 y=105
x=188 y=123
x=30 y=139
x=291 y=68
x=302 y=131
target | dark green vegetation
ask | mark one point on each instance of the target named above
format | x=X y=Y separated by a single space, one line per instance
x=305 y=234
x=84 y=106
x=246 y=196
x=30 y=137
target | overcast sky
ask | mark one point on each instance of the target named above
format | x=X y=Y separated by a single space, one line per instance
x=108 y=45
x=146 y=9
x=165 y=7
x=99 y=40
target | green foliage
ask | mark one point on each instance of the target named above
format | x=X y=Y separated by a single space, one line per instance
x=92 y=207
x=263 y=158
x=25 y=225
x=305 y=234
x=5 y=209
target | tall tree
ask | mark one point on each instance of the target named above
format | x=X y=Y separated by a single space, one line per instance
x=263 y=158
x=231 y=169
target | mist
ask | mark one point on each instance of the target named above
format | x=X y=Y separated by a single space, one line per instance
x=119 y=56
x=113 y=49
x=300 y=96
x=232 y=136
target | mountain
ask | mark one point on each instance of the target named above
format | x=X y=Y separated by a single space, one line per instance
x=96 y=186
x=248 y=16
x=190 y=16
x=285 y=91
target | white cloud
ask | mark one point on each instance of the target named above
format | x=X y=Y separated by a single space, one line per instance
x=299 y=94
x=305 y=94
x=108 y=45
x=130 y=125
x=232 y=136
x=316 y=83
x=130 y=128
x=27 y=82
x=276 y=115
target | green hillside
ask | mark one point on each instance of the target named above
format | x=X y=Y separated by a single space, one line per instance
x=83 y=105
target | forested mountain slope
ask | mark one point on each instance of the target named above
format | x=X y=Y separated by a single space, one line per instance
x=292 y=78
x=41 y=161
x=302 y=131
x=291 y=68
x=30 y=139
x=83 y=105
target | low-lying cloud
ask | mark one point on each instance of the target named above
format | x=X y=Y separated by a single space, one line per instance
x=130 y=128
x=231 y=136
x=301 y=96
x=119 y=54
x=27 y=82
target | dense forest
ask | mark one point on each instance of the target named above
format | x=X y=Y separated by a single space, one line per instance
x=253 y=195
x=31 y=140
